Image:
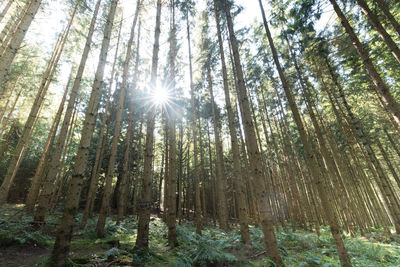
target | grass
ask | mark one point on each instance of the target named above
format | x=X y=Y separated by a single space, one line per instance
x=214 y=248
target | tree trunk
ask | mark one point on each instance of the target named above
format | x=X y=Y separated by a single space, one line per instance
x=114 y=144
x=126 y=163
x=5 y=9
x=54 y=164
x=144 y=206
x=252 y=149
x=222 y=205
x=171 y=120
x=64 y=235
x=197 y=203
x=102 y=140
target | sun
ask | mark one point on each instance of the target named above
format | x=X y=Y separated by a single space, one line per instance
x=160 y=96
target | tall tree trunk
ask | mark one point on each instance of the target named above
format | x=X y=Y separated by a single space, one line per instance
x=254 y=154
x=379 y=84
x=180 y=173
x=171 y=120
x=126 y=164
x=222 y=205
x=102 y=140
x=196 y=174
x=105 y=203
x=64 y=235
x=142 y=240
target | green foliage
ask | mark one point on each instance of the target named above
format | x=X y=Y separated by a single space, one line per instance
x=209 y=248
x=20 y=233
x=111 y=253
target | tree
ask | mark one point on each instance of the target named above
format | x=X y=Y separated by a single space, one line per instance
x=64 y=235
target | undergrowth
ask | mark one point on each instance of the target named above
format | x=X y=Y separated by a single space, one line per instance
x=213 y=248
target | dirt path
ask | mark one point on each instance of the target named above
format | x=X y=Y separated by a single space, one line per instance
x=22 y=256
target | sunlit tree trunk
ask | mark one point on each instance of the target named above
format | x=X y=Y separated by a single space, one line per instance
x=255 y=157
x=144 y=206
x=57 y=189
x=105 y=203
x=64 y=235
x=102 y=140
x=10 y=28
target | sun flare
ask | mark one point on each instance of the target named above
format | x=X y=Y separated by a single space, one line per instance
x=160 y=96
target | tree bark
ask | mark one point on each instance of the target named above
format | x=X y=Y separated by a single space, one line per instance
x=252 y=149
x=126 y=164
x=105 y=203
x=196 y=174
x=63 y=239
x=144 y=206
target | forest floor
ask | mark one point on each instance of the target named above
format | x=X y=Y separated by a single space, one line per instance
x=20 y=245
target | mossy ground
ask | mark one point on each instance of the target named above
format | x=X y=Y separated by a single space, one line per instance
x=21 y=245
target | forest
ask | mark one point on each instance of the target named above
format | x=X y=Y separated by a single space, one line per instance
x=200 y=133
